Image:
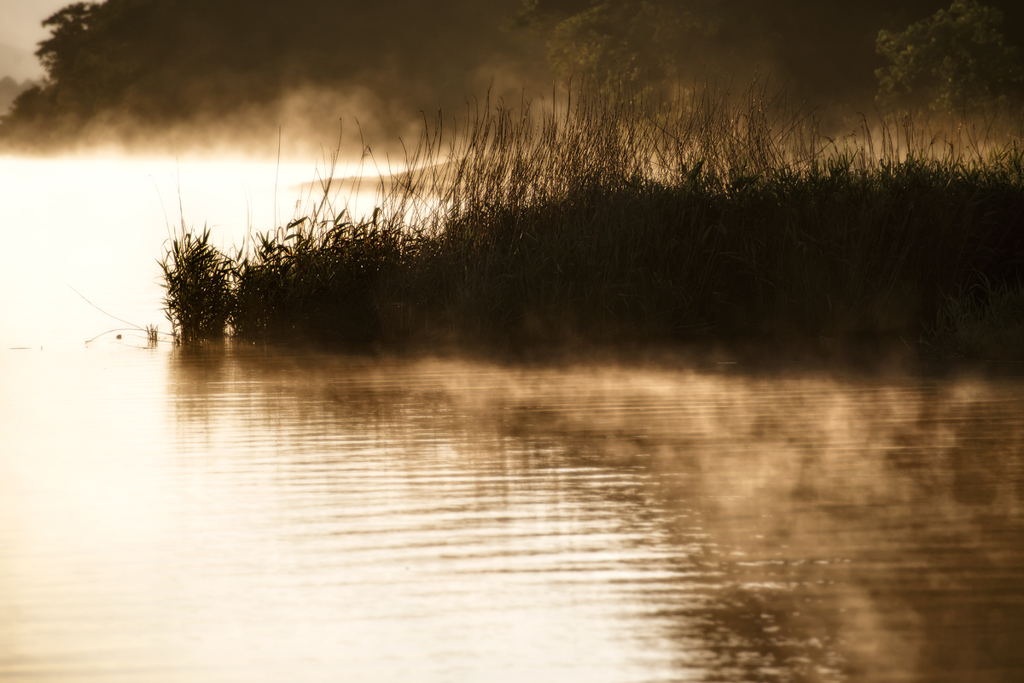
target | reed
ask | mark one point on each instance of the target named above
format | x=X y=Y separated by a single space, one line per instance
x=199 y=281
x=629 y=218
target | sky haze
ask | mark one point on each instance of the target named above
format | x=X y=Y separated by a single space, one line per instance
x=20 y=29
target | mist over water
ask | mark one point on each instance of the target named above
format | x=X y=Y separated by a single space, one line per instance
x=247 y=515
x=97 y=225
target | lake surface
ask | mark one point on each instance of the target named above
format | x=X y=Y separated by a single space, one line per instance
x=247 y=514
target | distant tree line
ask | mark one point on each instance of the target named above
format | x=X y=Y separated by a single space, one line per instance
x=164 y=61
x=10 y=89
x=957 y=58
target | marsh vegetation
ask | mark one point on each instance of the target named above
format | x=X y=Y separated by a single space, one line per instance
x=626 y=218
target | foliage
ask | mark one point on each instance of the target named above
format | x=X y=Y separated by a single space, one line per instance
x=146 y=66
x=616 y=42
x=159 y=62
x=10 y=89
x=817 y=48
x=619 y=41
x=68 y=44
x=198 y=280
x=956 y=61
x=315 y=279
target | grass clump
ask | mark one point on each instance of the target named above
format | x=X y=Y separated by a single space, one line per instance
x=629 y=219
x=199 y=282
x=321 y=279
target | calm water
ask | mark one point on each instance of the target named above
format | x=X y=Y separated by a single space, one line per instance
x=252 y=515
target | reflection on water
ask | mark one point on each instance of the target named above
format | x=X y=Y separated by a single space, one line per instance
x=249 y=515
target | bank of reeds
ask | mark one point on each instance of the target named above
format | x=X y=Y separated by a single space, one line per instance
x=629 y=219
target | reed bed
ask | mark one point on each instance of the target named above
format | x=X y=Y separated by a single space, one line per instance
x=628 y=218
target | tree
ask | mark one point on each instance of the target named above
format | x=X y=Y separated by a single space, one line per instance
x=611 y=42
x=955 y=61
x=821 y=51
x=69 y=33
x=163 y=62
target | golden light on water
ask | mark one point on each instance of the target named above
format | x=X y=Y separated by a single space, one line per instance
x=235 y=512
x=98 y=225
x=177 y=512
x=246 y=514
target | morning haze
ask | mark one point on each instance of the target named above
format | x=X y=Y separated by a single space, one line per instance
x=246 y=68
x=684 y=344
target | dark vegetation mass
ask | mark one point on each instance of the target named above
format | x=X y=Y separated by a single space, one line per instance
x=826 y=52
x=624 y=219
x=10 y=89
x=157 y=64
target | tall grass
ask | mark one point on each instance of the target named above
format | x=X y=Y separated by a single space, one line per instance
x=630 y=218
x=199 y=283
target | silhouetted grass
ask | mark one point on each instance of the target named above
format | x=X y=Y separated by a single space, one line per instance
x=198 y=279
x=632 y=220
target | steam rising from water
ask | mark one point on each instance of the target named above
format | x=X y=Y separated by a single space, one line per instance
x=252 y=515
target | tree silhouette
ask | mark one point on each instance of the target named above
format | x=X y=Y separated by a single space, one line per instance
x=645 y=42
x=823 y=51
x=165 y=61
x=162 y=62
x=955 y=61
